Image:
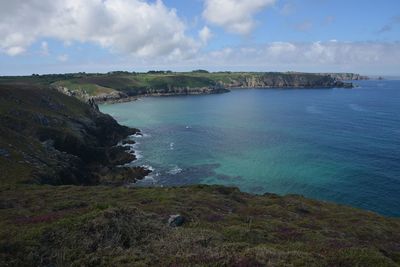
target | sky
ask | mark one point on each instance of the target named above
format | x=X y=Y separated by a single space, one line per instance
x=59 y=36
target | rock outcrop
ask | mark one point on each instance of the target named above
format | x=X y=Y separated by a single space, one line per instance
x=347 y=76
x=61 y=140
x=285 y=80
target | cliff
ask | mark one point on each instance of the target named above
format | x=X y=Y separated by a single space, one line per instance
x=284 y=80
x=347 y=76
x=51 y=144
x=50 y=138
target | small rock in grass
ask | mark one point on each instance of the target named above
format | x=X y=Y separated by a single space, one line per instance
x=176 y=220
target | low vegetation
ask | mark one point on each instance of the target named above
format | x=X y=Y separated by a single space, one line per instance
x=116 y=226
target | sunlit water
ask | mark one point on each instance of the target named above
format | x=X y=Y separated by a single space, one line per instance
x=339 y=145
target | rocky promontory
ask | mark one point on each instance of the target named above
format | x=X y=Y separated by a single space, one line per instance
x=55 y=139
x=285 y=80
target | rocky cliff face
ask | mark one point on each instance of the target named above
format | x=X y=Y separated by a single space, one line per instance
x=285 y=80
x=347 y=76
x=56 y=139
x=186 y=91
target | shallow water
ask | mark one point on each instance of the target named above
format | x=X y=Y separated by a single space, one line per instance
x=339 y=145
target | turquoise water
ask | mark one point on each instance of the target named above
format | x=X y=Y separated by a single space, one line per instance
x=338 y=145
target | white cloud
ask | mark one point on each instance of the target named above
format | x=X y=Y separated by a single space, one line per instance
x=44 y=48
x=332 y=56
x=235 y=16
x=367 y=57
x=205 y=35
x=130 y=26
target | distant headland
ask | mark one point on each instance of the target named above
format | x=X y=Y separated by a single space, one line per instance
x=122 y=86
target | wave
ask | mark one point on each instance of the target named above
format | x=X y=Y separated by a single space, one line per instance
x=149 y=167
x=138 y=154
x=151 y=177
x=175 y=170
x=141 y=135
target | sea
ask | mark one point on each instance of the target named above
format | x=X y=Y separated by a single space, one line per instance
x=336 y=145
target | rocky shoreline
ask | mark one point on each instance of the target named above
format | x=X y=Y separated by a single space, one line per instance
x=61 y=140
x=126 y=98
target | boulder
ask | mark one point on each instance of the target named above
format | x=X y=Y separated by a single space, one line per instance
x=176 y=220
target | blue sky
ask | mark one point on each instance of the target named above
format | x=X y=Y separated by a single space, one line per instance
x=55 y=36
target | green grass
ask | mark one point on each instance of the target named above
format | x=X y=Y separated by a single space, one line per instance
x=86 y=88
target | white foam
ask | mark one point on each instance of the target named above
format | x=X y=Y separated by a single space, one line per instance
x=151 y=177
x=174 y=170
x=171 y=146
x=149 y=167
x=140 y=135
x=138 y=154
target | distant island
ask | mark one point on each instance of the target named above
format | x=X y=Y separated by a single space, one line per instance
x=120 y=86
x=67 y=197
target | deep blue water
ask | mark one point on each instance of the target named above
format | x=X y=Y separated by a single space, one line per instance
x=338 y=145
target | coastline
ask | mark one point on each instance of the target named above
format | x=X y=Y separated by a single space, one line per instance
x=124 y=99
